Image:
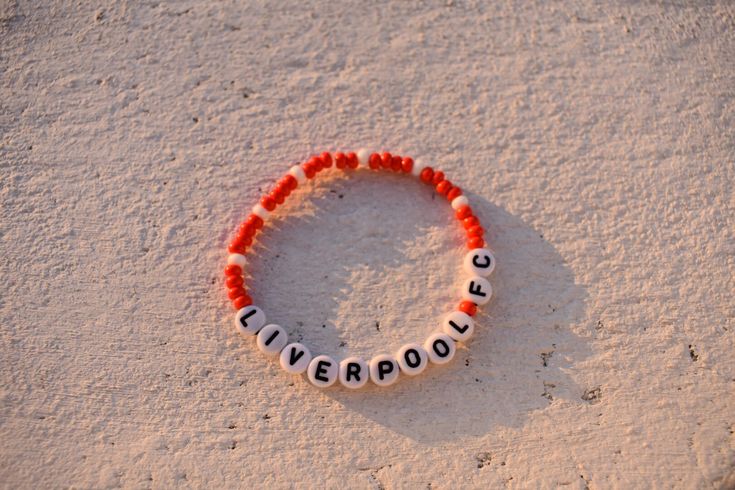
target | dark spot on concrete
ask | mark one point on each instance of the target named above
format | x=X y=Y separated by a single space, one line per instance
x=545 y=356
x=377 y=326
x=266 y=417
x=232 y=426
x=483 y=459
x=693 y=355
x=195 y=119
x=592 y=395
x=547 y=394
x=233 y=444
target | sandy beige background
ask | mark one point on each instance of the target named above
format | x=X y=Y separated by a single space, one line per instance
x=596 y=141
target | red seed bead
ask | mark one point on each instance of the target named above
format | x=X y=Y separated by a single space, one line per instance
x=244 y=240
x=318 y=163
x=326 y=158
x=438 y=177
x=454 y=193
x=352 y=161
x=374 y=161
x=268 y=203
x=233 y=293
x=277 y=195
x=255 y=220
x=233 y=270
x=475 y=242
x=476 y=230
x=233 y=281
x=309 y=169
x=246 y=229
x=407 y=164
x=470 y=221
x=426 y=175
x=443 y=187
x=386 y=159
x=340 y=160
x=236 y=247
x=290 y=181
x=468 y=307
x=463 y=212
x=395 y=163
x=242 y=301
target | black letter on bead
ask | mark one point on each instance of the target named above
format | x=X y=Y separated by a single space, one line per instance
x=444 y=348
x=353 y=369
x=293 y=359
x=243 y=319
x=416 y=358
x=456 y=327
x=272 y=337
x=384 y=367
x=481 y=266
x=476 y=291
x=321 y=368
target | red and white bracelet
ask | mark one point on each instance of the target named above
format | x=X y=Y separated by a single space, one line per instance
x=383 y=369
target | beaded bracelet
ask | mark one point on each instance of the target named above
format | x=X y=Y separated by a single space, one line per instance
x=383 y=369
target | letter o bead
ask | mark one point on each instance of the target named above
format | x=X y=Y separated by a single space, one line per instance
x=295 y=358
x=440 y=347
x=479 y=262
x=322 y=371
x=249 y=320
x=412 y=359
x=272 y=339
x=353 y=373
x=477 y=289
x=458 y=325
x=383 y=370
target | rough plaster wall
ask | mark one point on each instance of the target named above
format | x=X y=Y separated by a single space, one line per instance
x=595 y=141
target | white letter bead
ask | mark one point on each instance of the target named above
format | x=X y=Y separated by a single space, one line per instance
x=272 y=339
x=249 y=320
x=298 y=172
x=479 y=262
x=458 y=325
x=353 y=373
x=261 y=211
x=418 y=166
x=460 y=201
x=363 y=157
x=236 y=259
x=322 y=371
x=477 y=289
x=440 y=347
x=412 y=358
x=383 y=370
x=295 y=358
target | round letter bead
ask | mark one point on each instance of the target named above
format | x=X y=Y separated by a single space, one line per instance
x=479 y=262
x=353 y=373
x=249 y=320
x=459 y=326
x=322 y=371
x=363 y=157
x=272 y=339
x=460 y=201
x=261 y=212
x=236 y=259
x=418 y=166
x=440 y=347
x=477 y=289
x=412 y=358
x=298 y=172
x=295 y=358
x=383 y=370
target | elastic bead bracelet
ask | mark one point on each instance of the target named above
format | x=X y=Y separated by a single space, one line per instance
x=383 y=369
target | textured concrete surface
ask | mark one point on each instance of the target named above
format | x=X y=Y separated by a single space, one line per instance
x=596 y=141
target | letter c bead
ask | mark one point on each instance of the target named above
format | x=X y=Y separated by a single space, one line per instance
x=479 y=262
x=412 y=358
x=322 y=371
x=353 y=373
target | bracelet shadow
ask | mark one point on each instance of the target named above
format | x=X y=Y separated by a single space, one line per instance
x=361 y=268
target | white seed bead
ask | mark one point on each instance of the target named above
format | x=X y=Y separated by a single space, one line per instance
x=322 y=371
x=295 y=358
x=297 y=172
x=363 y=157
x=477 y=289
x=440 y=347
x=418 y=166
x=261 y=211
x=460 y=201
x=479 y=262
x=383 y=370
x=236 y=259
x=249 y=320
x=272 y=339
x=353 y=373
x=458 y=325
x=412 y=359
